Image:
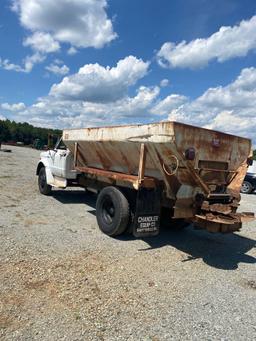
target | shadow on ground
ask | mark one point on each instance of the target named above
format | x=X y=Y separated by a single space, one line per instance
x=222 y=251
x=217 y=250
x=76 y=197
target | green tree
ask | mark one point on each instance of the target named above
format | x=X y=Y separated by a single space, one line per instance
x=4 y=132
x=24 y=132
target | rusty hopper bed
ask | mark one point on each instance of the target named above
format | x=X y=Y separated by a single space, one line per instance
x=200 y=171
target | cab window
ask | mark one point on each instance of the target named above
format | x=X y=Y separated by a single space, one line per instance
x=60 y=145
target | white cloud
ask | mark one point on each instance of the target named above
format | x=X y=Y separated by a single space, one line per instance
x=165 y=106
x=57 y=70
x=227 y=43
x=13 y=107
x=231 y=108
x=92 y=97
x=59 y=113
x=72 y=51
x=2 y=118
x=28 y=63
x=164 y=82
x=232 y=122
x=98 y=96
x=95 y=83
x=42 y=42
x=7 y=65
x=82 y=23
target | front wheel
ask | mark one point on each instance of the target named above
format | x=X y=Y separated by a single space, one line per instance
x=44 y=188
x=112 y=211
x=246 y=187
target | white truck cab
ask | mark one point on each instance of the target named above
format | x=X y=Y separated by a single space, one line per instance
x=55 y=168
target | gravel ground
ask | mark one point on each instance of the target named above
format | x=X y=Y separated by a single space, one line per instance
x=62 y=279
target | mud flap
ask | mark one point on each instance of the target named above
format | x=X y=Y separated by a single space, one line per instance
x=146 y=220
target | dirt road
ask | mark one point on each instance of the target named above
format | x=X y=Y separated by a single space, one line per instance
x=62 y=279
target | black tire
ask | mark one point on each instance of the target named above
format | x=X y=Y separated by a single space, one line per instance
x=246 y=188
x=44 y=188
x=112 y=211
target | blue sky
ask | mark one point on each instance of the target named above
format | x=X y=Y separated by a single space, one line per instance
x=74 y=63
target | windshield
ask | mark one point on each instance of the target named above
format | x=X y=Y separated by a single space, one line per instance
x=60 y=145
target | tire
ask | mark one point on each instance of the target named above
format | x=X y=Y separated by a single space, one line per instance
x=44 y=188
x=246 y=188
x=112 y=211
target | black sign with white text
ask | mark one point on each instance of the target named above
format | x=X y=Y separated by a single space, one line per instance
x=146 y=220
x=147 y=225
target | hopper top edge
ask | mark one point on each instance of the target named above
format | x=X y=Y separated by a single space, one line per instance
x=170 y=124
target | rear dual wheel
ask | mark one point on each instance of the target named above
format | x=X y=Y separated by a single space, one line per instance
x=112 y=211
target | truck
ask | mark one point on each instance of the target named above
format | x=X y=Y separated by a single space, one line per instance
x=149 y=174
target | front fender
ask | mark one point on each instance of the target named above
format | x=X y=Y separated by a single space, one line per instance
x=49 y=176
x=54 y=181
x=39 y=166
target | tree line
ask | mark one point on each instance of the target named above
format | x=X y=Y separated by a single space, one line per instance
x=11 y=131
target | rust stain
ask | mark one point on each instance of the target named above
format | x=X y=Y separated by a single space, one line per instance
x=147 y=181
x=236 y=183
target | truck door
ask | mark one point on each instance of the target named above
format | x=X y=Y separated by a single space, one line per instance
x=59 y=159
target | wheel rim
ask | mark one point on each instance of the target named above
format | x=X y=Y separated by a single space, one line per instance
x=108 y=211
x=245 y=187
